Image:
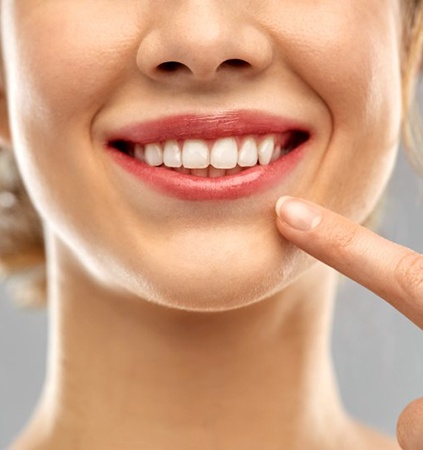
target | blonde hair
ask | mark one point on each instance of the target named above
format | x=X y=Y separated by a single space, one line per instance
x=22 y=256
x=412 y=130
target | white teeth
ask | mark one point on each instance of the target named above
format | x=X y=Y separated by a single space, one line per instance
x=199 y=172
x=139 y=153
x=248 y=153
x=172 y=156
x=195 y=154
x=215 y=173
x=182 y=170
x=224 y=156
x=234 y=170
x=265 y=150
x=277 y=152
x=153 y=155
x=224 y=153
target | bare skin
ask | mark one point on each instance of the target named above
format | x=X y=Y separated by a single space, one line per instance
x=259 y=377
x=392 y=271
x=195 y=325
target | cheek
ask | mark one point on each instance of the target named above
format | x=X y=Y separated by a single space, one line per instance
x=350 y=60
x=62 y=64
x=349 y=57
x=55 y=86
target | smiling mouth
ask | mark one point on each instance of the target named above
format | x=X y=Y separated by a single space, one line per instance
x=213 y=158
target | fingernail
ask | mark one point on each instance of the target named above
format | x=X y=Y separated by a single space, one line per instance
x=297 y=214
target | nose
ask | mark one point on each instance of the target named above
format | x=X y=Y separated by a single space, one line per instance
x=203 y=41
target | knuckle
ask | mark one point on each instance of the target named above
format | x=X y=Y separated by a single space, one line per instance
x=409 y=275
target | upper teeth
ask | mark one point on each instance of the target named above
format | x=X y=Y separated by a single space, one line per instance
x=225 y=153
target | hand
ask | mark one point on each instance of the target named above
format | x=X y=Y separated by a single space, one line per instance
x=393 y=272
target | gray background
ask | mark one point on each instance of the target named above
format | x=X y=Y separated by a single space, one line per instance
x=378 y=353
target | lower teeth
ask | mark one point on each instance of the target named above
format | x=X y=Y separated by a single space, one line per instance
x=210 y=171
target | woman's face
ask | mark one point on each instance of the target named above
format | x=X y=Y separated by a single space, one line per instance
x=77 y=72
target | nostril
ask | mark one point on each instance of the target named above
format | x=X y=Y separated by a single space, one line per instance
x=175 y=66
x=170 y=66
x=240 y=63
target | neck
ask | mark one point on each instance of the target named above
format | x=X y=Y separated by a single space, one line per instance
x=125 y=373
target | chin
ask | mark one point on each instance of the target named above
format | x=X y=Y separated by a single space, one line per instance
x=225 y=287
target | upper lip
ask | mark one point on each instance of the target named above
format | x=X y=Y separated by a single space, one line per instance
x=206 y=126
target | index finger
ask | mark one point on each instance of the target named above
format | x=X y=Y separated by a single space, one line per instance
x=391 y=271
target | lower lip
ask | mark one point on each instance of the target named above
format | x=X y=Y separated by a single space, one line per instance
x=250 y=181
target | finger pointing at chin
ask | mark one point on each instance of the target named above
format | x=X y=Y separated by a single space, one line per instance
x=391 y=271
